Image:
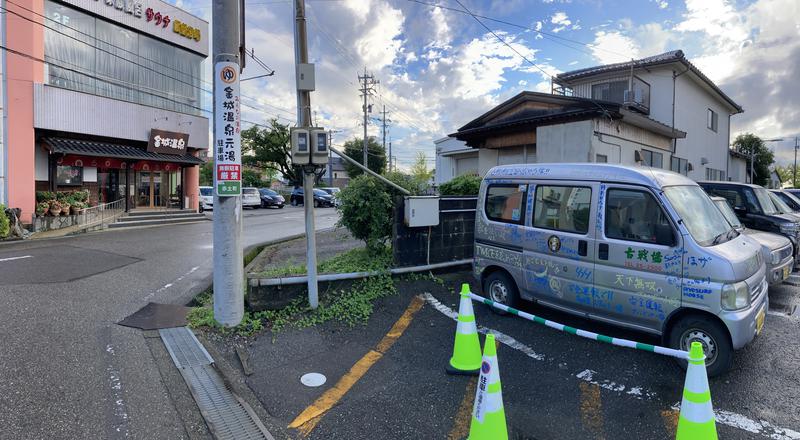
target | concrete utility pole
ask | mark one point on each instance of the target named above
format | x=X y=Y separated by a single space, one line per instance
x=304 y=120
x=796 y=146
x=385 y=127
x=228 y=270
x=367 y=83
x=391 y=166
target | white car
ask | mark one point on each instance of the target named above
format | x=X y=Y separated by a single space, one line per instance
x=251 y=197
x=206 y=198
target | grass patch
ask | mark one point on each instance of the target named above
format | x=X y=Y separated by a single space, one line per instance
x=354 y=260
x=203 y=317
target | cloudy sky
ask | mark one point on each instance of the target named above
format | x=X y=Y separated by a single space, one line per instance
x=439 y=68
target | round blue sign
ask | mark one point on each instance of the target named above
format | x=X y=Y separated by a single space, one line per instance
x=485 y=367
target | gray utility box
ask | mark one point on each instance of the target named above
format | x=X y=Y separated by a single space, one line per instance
x=421 y=211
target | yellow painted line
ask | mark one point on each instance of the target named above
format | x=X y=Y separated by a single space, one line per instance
x=464 y=414
x=592 y=410
x=309 y=418
x=670 y=417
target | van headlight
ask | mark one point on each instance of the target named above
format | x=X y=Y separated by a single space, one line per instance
x=775 y=257
x=735 y=296
x=789 y=228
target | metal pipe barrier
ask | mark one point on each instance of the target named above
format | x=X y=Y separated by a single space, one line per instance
x=680 y=354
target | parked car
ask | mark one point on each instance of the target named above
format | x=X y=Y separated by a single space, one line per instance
x=782 y=206
x=321 y=198
x=271 y=198
x=788 y=198
x=636 y=247
x=794 y=192
x=335 y=193
x=776 y=249
x=755 y=209
x=251 y=197
x=206 y=198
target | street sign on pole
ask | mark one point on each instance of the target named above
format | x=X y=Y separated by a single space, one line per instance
x=227 y=130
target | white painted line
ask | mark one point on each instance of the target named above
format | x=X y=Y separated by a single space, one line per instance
x=728 y=418
x=15 y=258
x=120 y=411
x=168 y=285
x=760 y=427
x=499 y=336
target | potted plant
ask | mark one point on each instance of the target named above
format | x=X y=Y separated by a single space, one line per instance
x=65 y=207
x=41 y=208
x=78 y=207
x=55 y=207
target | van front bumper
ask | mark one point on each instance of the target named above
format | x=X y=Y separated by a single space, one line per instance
x=743 y=324
x=775 y=273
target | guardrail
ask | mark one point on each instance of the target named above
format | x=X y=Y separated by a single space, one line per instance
x=101 y=215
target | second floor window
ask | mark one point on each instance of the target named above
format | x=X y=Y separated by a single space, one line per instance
x=679 y=165
x=613 y=91
x=712 y=174
x=712 y=120
x=652 y=159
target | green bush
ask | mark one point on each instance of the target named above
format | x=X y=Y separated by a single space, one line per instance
x=5 y=223
x=465 y=185
x=366 y=210
x=409 y=183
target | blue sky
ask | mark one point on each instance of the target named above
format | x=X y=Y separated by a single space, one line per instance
x=439 y=68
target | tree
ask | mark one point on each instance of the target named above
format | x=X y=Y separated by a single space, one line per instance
x=464 y=185
x=785 y=173
x=270 y=149
x=207 y=173
x=253 y=178
x=420 y=170
x=750 y=144
x=376 y=156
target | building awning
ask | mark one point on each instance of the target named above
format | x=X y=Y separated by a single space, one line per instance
x=104 y=149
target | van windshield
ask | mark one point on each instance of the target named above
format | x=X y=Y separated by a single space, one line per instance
x=703 y=220
x=726 y=210
x=205 y=191
x=765 y=201
x=780 y=204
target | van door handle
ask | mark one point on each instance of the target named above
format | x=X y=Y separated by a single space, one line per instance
x=582 y=248
x=602 y=251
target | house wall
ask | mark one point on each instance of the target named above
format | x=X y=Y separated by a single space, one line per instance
x=491 y=157
x=453 y=158
x=737 y=169
x=570 y=142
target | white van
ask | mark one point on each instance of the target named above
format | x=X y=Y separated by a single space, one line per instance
x=637 y=247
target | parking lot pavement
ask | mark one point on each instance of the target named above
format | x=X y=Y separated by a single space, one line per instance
x=555 y=385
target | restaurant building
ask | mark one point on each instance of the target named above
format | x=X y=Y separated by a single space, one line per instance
x=103 y=95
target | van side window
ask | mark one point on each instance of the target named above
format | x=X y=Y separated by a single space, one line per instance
x=636 y=216
x=506 y=203
x=563 y=208
x=733 y=196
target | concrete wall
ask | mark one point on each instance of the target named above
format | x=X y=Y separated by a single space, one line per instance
x=737 y=169
x=448 y=153
x=453 y=239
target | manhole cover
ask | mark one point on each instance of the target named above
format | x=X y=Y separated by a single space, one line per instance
x=313 y=379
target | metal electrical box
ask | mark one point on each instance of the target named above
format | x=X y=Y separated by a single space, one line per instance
x=305 y=77
x=421 y=211
x=301 y=146
x=319 y=146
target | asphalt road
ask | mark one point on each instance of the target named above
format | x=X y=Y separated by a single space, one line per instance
x=66 y=370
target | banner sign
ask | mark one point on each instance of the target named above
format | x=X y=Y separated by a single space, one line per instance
x=227 y=130
x=167 y=142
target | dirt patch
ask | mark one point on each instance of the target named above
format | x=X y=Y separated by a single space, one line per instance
x=329 y=244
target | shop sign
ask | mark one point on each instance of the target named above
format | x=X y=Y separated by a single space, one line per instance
x=167 y=142
x=131 y=7
x=227 y=130
x=187 y=31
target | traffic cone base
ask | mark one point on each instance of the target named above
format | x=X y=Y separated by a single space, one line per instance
x=466 y=359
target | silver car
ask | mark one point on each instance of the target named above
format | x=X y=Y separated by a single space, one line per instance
x=776 y=249
x=251 y=197
x=637 y=247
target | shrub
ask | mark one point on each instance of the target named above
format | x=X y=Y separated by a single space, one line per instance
x=465 y=185
x=5 y=223
x=366 y=210
x=409 y=183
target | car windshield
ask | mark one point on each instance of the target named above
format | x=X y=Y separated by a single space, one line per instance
x=789 y=198
x=765 y=201
x=780 y=204
x=268 y=192
x=205 y=191
x=726 y=210
x=703 y=220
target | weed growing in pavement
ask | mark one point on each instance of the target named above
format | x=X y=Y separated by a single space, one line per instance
x=203 y=317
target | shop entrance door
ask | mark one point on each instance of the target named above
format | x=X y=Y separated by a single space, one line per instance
x=153 y=189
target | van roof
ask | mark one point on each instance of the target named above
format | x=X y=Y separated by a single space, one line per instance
x=653 y=177
x=723 y=182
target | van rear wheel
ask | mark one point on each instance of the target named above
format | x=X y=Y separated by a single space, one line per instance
x=711 y=335
x=501 y=288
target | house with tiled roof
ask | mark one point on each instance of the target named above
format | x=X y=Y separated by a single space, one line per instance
x=659 y=111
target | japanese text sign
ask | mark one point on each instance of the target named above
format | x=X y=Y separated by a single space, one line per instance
x=227 y=130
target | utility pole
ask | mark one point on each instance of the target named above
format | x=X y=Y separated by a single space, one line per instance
x=796 y=146
x=304 y=120
x=367 y=88
x=391 y=167
x=228 y=270
x=330 y=165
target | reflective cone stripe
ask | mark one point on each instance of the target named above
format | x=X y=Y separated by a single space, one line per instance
x=466 y=357
x=488 y=415
x=696 y=421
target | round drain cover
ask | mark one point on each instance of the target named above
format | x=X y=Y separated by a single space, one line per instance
x=313 y=379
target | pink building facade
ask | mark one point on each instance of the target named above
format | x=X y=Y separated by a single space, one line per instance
x=105 y=96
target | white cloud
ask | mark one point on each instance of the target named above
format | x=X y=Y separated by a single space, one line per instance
x=662 y=4
x=381 y=44
x=613 y=47
x=561 y=21
x=482 y=63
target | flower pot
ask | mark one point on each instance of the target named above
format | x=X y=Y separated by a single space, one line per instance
x=55 y=211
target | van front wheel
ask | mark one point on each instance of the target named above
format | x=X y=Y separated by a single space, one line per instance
x=711 y=335
x=500 y=288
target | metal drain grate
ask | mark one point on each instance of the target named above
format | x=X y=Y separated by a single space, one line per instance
x=227 y=415
x=183 y=346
